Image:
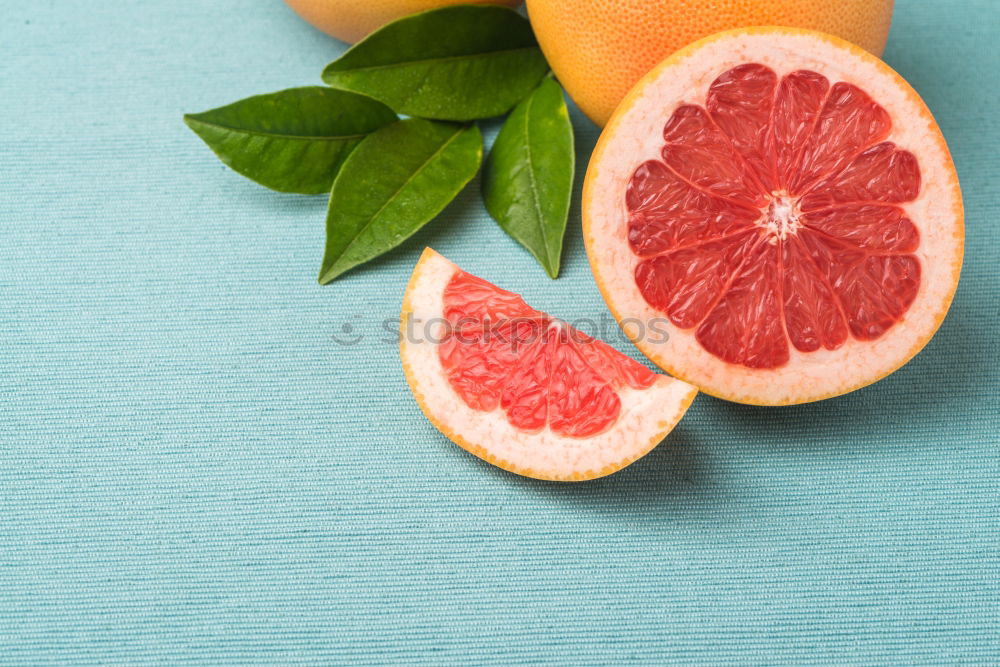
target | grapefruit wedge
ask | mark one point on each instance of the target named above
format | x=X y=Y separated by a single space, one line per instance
x=787 y=203
x=523 y=390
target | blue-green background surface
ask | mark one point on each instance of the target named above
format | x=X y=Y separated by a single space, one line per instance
x=192 y=470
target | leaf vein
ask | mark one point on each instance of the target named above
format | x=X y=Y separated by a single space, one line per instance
x=535 y=198
x=275 y=135
x=440 y=59
x=392 y=198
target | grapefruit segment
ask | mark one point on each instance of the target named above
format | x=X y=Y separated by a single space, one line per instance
x=744 y=325
x=813 y=314
x=701 y=154
x=849 y=121
x=876 y=227
x=523 y=390
x=787 y=202
x=686 y=283
x=667 y=213
x=881 y=173
x=740 y=103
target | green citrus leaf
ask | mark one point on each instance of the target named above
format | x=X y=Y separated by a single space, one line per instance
x=394 y=183
x=456 y=63
x=528 y=176
x=294 y=140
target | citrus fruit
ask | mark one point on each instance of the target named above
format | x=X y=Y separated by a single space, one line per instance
x=352 y=20
x=788 y=203
x=599 y=48
x=523 y=390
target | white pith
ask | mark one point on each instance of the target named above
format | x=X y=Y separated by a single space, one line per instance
x=646 y=416
x=635 y=134
x=780 y=218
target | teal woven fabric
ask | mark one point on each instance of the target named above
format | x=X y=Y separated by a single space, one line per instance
x=193 y=470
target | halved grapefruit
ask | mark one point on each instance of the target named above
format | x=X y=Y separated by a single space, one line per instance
x=787 y=202
x=523 y=390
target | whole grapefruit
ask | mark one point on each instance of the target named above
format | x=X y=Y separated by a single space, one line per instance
x=599 y=48
x=352 y=20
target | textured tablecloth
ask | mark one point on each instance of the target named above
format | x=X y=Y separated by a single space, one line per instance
x=194 y=470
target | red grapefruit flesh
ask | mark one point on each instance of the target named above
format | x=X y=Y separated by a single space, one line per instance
x=523 y=390
x=786 y=201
